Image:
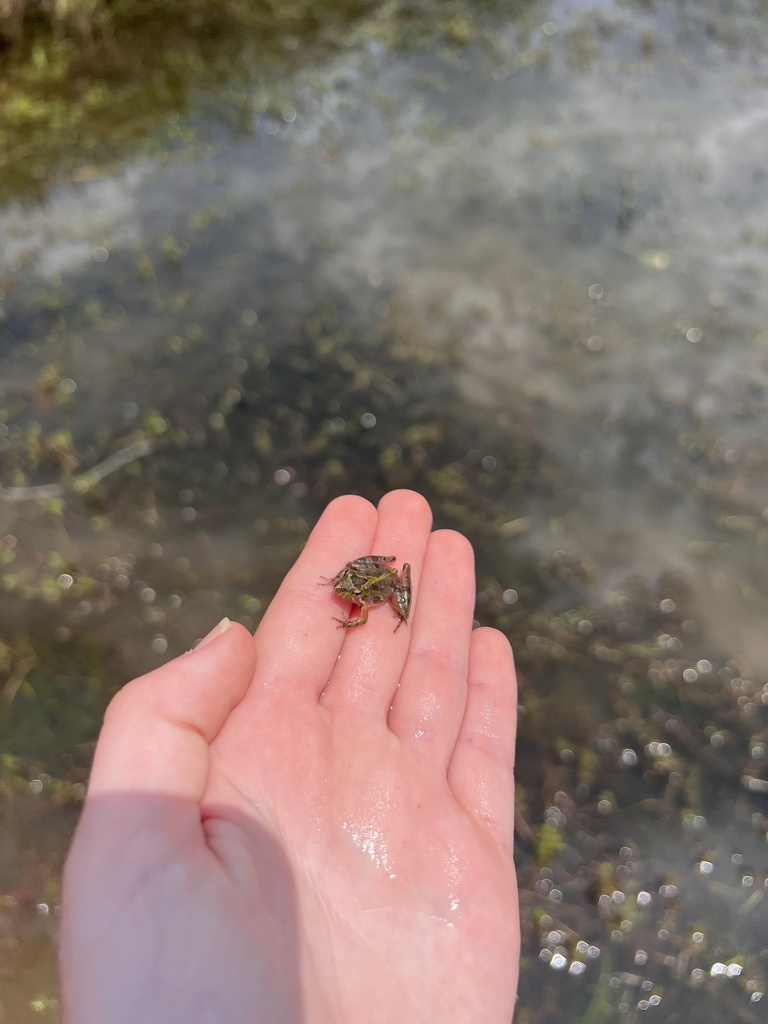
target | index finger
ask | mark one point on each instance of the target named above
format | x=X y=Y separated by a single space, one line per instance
x=297 y=642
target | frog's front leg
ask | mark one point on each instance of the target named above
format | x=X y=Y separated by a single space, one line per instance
x=361 y=621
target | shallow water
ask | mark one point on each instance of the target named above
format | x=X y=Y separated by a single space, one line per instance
x=521 y=270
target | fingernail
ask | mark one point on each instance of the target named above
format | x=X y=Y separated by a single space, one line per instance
x=222 y=627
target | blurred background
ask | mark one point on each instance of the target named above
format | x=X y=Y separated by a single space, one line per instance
x=510 y=253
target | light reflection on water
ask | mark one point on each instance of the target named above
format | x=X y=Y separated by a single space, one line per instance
x=582 y=207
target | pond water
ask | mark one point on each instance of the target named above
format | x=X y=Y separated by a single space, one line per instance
x=515 y=260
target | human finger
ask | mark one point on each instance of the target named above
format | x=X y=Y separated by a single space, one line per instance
x=158 y=728
x=481 y=769
x=367 y=673
x=430 y=701
x=298 y=641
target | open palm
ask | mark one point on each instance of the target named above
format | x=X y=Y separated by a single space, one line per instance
x=314 y=824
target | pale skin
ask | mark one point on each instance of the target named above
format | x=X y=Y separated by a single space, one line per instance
x=312 y=825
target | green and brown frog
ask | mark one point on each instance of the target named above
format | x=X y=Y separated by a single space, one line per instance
x=372 y=580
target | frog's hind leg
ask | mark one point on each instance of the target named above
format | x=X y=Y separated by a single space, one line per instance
x=361 y=621
x=401 y=597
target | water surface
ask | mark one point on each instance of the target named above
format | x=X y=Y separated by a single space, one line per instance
x=515 y=261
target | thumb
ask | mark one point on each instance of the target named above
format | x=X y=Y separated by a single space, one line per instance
x=158 y=728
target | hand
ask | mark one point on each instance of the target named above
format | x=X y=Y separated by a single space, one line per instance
x=314 y=824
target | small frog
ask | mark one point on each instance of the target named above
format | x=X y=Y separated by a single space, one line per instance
x=372 y=580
